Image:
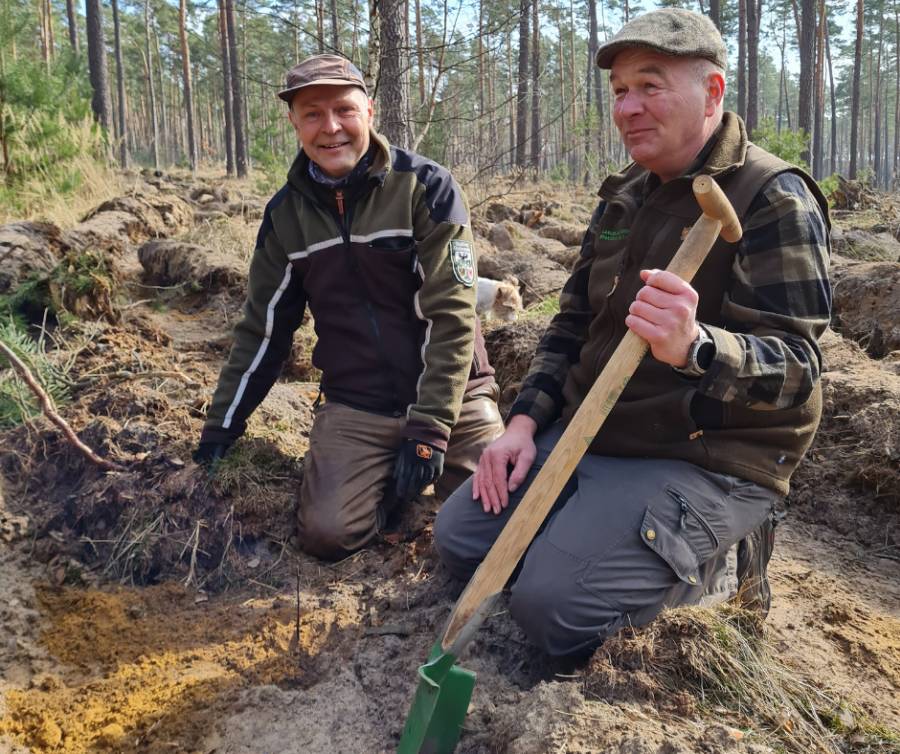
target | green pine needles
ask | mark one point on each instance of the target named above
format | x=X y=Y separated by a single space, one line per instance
x=17 y=402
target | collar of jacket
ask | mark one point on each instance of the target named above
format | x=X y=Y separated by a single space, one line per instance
x=298 y=175
x=728 y=154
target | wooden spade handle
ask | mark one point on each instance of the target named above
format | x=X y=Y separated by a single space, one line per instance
x=499 y=563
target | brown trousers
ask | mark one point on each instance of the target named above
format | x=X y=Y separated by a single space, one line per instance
x=347 y=470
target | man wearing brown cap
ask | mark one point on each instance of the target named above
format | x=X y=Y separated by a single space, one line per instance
x=674 y=502
x=376 y=241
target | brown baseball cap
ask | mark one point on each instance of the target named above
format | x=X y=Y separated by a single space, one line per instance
x=671 y=31
x=321 y=69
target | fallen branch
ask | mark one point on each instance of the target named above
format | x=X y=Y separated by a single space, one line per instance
x=49 y=410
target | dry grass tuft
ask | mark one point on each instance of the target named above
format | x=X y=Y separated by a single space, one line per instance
x=692 y=660
x=43 y=199
x=234 y=238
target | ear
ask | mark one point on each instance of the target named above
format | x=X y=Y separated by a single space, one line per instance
x=715 y=91
x=371 y=108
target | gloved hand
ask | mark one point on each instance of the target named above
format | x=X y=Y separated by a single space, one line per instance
x=418 y=464
x=207 y=453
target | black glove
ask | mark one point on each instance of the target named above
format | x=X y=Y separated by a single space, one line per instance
x=207 y=453
x=418 y=464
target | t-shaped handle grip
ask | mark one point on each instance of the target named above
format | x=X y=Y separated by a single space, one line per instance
x=715 y=204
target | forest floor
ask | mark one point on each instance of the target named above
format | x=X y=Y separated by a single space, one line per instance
x=154 y=609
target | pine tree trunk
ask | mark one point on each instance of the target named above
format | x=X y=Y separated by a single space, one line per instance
x=876 y=119
x=511 y=111
x=753 y=14
x=819 y=106
x=832 y=162
x=237 y=99
x=854 y=97
x=372 y=73
x=896 y=161
x=741 y=71
x=715 y=13
x=420 y=57
x=522 y=91
x=188 y=90
x=120 y=86
x=73 y=24
x=151 y=93
x=335 y=29
x=227 y=100
x=807 y=71
x=96 y=43
x=165 y=133
x=393 y=92
x=536 y=86
x=320 y=24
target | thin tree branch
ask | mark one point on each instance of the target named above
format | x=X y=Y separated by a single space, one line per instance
x=49 y=411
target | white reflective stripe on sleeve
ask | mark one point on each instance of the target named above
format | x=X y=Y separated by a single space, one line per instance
x=294 y=255
x=402 y=232
x=426 y=340
x=270 y=323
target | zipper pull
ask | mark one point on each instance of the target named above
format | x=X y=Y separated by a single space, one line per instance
x=339 y=195
x=684 y=511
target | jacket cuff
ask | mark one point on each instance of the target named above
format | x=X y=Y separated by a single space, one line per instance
x=536 y=404
x=719 y=382
x=428 y=433
x=212 y=433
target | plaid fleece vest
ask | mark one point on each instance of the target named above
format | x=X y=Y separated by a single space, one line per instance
x=661 y=414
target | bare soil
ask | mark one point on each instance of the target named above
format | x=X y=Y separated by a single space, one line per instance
x=158 y=610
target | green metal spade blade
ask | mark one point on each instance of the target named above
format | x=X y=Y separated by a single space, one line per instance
x=439 y=707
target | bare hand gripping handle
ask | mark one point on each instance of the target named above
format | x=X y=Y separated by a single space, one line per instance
x=718 y=217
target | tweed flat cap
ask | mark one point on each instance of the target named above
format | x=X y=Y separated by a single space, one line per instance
x=321 y=69
x=672 y=31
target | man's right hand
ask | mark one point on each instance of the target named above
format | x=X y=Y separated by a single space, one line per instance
x=516 y=447
x=207 y=453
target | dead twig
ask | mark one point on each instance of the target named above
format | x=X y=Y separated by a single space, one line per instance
x=49 y=410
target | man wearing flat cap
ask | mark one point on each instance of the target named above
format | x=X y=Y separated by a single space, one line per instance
x=376 y=241
x=674 y=502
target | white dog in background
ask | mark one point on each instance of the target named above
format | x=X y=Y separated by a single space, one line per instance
x=499 y=298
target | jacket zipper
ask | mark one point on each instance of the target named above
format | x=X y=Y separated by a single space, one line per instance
x=686 y=508
x=345 y=234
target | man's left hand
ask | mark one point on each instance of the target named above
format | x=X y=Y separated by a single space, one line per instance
x=418 y=464
x=664 y=313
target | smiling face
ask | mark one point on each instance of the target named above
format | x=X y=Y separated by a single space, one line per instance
x=332 y=124
x=666 y=108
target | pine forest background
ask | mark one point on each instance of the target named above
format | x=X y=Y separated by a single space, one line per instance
x=486 y=87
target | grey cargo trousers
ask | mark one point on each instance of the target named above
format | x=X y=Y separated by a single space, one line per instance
x=626 y=538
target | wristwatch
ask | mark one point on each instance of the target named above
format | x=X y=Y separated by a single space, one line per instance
x=700 y=355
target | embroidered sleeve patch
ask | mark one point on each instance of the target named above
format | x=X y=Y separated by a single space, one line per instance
x=462 y=259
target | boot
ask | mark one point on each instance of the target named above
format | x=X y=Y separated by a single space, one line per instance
x=753 y=556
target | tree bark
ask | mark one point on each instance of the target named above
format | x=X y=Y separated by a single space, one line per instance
x=854 y=97
x=715 y=13
x=73 y=24
x=120 y=86
x=522 y=91
x=188 y=89
x=335 y=36
x=373 y=73
x=807 y=69
x=754 y=12
x=741 y=71
x=237 y=99
x=536 y=86
x=96 y=43
x=227 y=100
x=151 y=93
x=393 y=92
x=819 y=106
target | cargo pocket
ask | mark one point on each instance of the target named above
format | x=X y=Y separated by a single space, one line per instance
x=672 y=547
